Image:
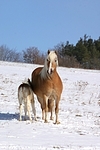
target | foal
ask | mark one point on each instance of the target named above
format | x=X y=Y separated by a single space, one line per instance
x=25 y=95
x=47 y=84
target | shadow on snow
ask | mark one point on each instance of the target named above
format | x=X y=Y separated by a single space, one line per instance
x=8 y=116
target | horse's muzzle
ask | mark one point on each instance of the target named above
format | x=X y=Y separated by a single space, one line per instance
x=50 y=71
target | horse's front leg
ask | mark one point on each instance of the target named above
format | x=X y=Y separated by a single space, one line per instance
x=43 y=114
x=56 y=112
x=46 y=108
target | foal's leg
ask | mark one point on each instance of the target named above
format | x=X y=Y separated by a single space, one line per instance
x=25 y=109
x=33 y=108
x=20 y=105
x=20 y=110
x=28 y=107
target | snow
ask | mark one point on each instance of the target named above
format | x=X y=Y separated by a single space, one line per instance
x=79 y=113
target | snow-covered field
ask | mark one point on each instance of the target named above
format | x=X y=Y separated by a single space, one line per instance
x=79 y=112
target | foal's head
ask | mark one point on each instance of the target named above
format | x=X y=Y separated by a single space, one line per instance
x=51 y=62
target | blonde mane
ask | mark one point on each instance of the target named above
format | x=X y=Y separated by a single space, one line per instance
x=52 y=56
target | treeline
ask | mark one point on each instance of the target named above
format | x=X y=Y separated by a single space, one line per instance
x=31 y=55
x=85 y=54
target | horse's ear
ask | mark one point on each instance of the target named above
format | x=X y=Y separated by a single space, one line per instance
x=56 y=52
x=48 y=52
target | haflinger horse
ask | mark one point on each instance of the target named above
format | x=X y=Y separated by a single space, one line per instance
x=47 y=85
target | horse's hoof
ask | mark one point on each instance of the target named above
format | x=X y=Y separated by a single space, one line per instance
x=42 y=118
x=57 y=122
x=51 y=118
x=31 y=121
x=35 y=118
x=46 y=121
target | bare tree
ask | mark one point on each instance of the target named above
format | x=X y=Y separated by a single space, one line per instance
x=7 y=54
x=33 y=56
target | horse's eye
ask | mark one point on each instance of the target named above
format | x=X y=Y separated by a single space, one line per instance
x=55 y=60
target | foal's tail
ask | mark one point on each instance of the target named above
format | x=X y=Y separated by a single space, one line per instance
x=30 y=83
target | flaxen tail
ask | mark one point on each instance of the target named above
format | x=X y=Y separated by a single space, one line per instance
x=30 y=83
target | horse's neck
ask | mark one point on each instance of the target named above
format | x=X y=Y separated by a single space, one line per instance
x=44 y=74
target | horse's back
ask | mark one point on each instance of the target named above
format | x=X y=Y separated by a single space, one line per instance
x=36 y=71
x=36 y=80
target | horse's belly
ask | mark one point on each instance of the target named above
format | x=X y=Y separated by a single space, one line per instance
x=45 y=91
x=53 y=94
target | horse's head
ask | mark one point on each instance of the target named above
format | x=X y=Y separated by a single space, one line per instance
x=51 y=62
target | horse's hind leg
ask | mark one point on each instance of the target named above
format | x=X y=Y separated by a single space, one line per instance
x=51 y=108
x=52 y=112
x=42 y=107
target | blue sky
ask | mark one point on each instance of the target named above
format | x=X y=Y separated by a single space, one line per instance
x=46 y=23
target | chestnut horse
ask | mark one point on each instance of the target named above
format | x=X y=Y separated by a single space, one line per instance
x=47 y=85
